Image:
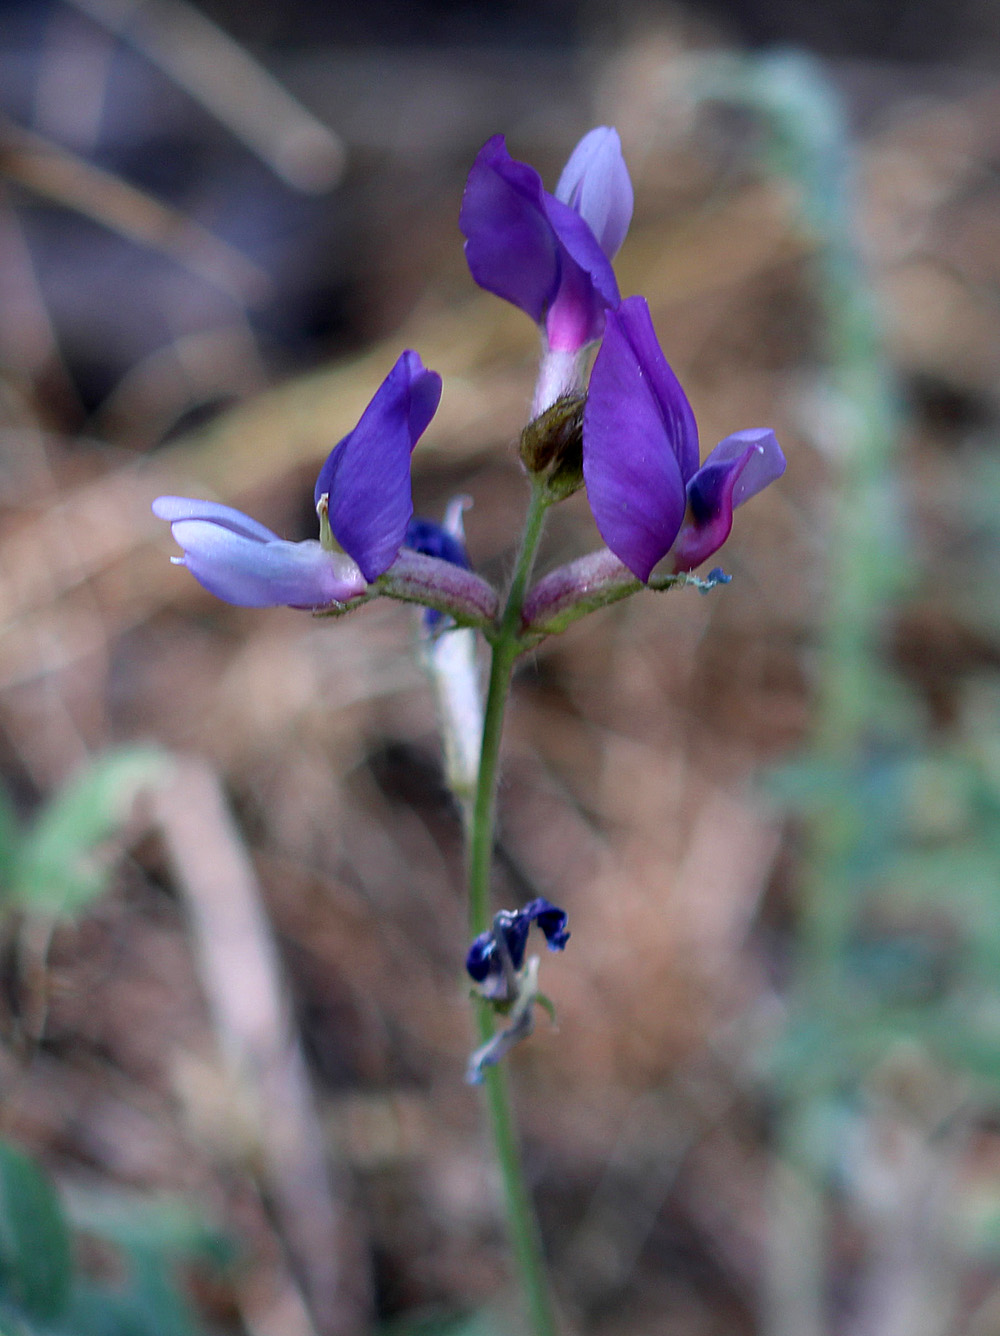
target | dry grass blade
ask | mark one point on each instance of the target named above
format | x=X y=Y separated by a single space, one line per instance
x=61 y=176
x=220 y=74
x=250 y=1009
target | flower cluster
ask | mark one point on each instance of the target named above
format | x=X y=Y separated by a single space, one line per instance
x=651 y=497
x=626 y=432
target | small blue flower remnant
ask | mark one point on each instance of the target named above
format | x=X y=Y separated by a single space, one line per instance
x=496 y=963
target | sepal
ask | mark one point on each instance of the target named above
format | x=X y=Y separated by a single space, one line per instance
x=551 y=446
x=591 y=582
x=435 y=583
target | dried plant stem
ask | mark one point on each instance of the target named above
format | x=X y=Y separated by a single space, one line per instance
x=521 y=1220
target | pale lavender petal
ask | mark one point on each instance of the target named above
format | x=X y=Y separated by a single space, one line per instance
x=367 y=476
x=255 y=574
x=187 y=508
x=595 y=182
x=764 y=466
x=630 y=464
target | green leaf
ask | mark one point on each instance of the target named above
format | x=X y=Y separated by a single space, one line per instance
x=165 y=1226
x=63 y=867
x=10 y=843
x=35 y=1258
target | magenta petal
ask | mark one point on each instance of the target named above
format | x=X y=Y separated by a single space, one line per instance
x=367 y=475
x=737 y=469
x=255 y=574
x=630 y=462
x=711 y=498
x=595 y=183
x=510 y=246
x=587 y=284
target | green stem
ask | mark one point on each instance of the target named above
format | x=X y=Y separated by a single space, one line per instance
x=506 y=645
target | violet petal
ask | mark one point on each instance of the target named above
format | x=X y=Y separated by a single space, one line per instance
x=510 y=245
x=534 y=250
x=551 y=919
x=367 y=475
x=738 y=468
x=764 y=466
x=632 y=437
x=709 y=518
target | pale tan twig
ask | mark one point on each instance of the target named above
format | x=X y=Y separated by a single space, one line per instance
x=241 y=976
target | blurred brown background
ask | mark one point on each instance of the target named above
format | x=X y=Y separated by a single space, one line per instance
x=202 y=284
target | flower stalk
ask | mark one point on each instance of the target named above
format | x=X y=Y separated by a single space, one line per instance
x=506 y=646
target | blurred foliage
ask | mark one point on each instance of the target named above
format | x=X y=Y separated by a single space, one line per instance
x=57 y=866
x=889 y=1053
x=478 y=1324
x=43 y=1292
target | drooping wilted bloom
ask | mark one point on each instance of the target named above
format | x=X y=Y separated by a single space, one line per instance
x=495 y=955
x=496 y=962
x=647 y=491
x=550 y=254
x=363 y=490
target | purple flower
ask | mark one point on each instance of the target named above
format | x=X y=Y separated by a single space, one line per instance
x=640 y=455
x=366 y=478
x=548 y=254
x=243 y=562
x=363 y=489
x=501 y=950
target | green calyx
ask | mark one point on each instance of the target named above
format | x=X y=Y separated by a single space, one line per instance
x=551 y=447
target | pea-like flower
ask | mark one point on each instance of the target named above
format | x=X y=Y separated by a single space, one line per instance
x=495 y=956
x=363 y=496
x=550 y=254
x=647 y=490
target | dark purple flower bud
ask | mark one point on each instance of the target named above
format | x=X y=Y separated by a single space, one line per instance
x=549 y=254
x=244 y=563
x=640 y=455
x=508 y=938
x=434 y=540
x=366 y=477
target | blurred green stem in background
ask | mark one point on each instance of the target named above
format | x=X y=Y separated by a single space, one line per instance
x=855 y=421
x=506 y=646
